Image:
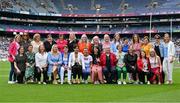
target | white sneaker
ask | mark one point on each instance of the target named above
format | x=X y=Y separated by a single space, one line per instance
x=69 y=82
x=61 y=82
x=44 y=82
x=148 y=83
x=167 y=82
x=11 y=82
x=96 y=82
x=119 y=82
x=124 y=82
x=39 y=82
x=86 y=82
x=83 y=81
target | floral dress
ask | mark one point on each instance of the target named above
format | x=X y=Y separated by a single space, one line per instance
x=30 y=69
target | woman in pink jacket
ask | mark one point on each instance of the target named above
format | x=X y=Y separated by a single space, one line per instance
x=61 y=42
x=13 y=51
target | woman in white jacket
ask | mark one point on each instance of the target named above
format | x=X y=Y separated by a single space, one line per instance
x=76 y=62
x=169 y=53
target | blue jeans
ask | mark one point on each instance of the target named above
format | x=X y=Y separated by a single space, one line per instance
x=86 y=73
x=12 y=74
x=109 y=74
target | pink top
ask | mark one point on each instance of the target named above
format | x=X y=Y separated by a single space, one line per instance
x=61 y=44
x=13 y=50
x=137 y=48
x=106 y=45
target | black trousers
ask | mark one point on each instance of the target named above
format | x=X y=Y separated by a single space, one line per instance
x=142 y=75
x=38 y=74
x=20 y=77
x=77 y=70
x=133 y=71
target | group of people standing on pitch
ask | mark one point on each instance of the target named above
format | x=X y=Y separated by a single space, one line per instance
x=116 y=61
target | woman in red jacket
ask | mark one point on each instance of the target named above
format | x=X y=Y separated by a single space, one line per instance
x=108 y=62
x=143 y=67
x=13 y=51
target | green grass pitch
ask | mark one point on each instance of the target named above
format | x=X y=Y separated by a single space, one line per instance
x=87 y=93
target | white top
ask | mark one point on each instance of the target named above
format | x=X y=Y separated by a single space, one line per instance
x=87 y=61
x=40 y=59
x=36 y=46
x=154 y=62
x=79 y=59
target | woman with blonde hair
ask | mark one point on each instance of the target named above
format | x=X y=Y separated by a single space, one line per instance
x=13 y=51
x=36 y=42
x=96 y=43
x=54 y=62
x=72 y=42
x=84 y=43
x=107 y=42
x=155 y=66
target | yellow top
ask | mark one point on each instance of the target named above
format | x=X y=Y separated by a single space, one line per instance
x=147 y=48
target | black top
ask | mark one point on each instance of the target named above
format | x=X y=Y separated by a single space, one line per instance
x=99 y=48
x=25 y=44
x=95 y=58
x=21 y=62
x=71 y=45
x=108 y=62
x=48 y=46
x=156 y=48
x=130 y=60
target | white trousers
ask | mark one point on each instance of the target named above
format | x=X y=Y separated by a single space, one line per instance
x=62 y=73
x=168 y=68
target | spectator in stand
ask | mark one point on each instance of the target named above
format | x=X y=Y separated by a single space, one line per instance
x=25 y=41
x=20 y=64
x=108 y=62
x=36 y=42
x=13 y=51
x=84 y=43
x=49 y=43
x=72 y=42
x=169 y=54
x=61 y=42
x=146 y=45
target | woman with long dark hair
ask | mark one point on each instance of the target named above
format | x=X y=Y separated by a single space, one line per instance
x=20 y=65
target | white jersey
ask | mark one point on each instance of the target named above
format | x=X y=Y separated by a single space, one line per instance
x=87 y=60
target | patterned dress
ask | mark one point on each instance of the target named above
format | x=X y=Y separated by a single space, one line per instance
x=30 y=69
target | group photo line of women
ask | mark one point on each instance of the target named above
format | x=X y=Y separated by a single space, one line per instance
x=108 y=61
